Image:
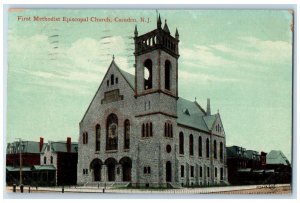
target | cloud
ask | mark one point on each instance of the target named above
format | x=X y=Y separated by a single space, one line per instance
x=85 y=60
x=243 y=58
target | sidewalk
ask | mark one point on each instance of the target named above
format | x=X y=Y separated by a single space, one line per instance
x=207 y=190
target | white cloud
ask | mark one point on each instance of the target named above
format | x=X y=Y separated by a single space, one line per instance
x=84 y=60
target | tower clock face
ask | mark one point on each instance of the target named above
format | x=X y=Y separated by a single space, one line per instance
x=112 y=132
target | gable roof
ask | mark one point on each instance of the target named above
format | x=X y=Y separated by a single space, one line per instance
x=277 y=157
x=127 y=76
x=191 y=114
x=210 y=120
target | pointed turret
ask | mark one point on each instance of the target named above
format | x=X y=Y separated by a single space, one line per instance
x=208 y=107
x=159 y=22
x=176 y=34
x=166 y=28
x=135 y=31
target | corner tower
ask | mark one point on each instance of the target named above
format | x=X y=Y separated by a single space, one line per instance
x=156 y=61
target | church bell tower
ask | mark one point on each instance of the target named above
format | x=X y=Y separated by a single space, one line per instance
x=156 y=61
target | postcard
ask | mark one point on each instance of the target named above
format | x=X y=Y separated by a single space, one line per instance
x=151 y=101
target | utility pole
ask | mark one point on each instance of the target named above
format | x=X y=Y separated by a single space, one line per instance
x=20 y=154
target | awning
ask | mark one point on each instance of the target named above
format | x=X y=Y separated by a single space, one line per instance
x=258 y=171
x=13 y=169
x=44 y=168
x=244 y=170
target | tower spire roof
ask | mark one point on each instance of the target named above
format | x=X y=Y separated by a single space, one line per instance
x=166 y=28
x=176 y=34
x=135 y=31
x=159 y=22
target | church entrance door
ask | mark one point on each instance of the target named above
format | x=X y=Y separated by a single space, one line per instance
x=168 y=172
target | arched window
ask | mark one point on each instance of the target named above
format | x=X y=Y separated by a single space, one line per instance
x=98 y=135
x=191 y=145
x=150 y=130
x=200 y=147
x=221 y=150
x=148 y=74
x=147 y=130
x=215 y=149
x=166 y=130
x=112 y=132
x=112 y=79
x=167 y=75
x=126 y=134
x=85 y=138
x=181 y=143
x=143 y=130
x=207 y=147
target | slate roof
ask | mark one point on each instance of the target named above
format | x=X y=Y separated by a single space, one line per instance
x=28 y=147
x=189 y=113
x=277 y=157
x=61 y=147
x=129 y=77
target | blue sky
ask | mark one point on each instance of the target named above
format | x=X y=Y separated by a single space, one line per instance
x=240 y=59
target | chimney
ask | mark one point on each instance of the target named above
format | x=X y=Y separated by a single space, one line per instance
x=41 y=143
x=208 y=107
x=68 y=144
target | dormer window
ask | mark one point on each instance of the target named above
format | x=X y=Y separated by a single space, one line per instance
x=186 y=111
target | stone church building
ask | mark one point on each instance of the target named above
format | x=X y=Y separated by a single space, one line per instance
x=138 y=130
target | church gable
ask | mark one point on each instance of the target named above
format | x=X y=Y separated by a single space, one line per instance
x=217 y=127
x=114 y=87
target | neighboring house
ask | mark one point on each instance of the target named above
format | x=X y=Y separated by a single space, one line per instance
x=62 y=156
x=30 y=153
x=277 y=162
x=138 y=130
x=252 y=167
x=236 y=161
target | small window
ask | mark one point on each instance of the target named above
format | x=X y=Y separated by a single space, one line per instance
x=112 y=78
x=86 y=171
x=143 y=130
x=147 y=170
x=168 y=148
x=83 y=171
x=107 y=83
x=182 y=171
x=51 y=159
x=208 y=174
x=192 y=171
x=117 y=80
x=200 y=171
x=216 y=172
x=45 y=160
x=221 y=173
